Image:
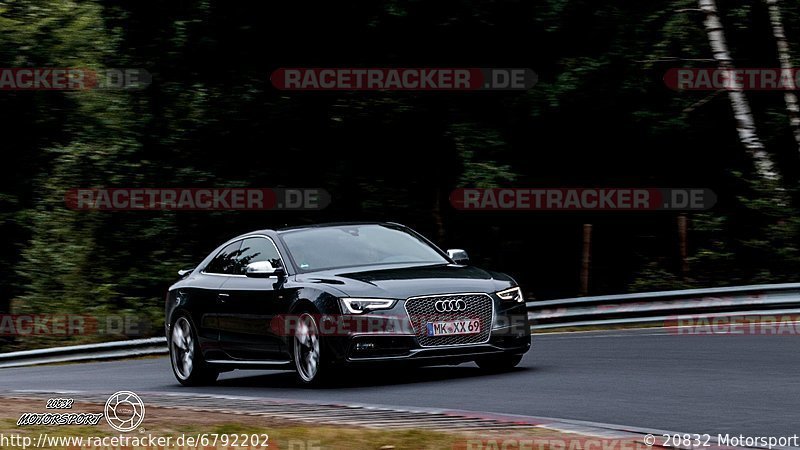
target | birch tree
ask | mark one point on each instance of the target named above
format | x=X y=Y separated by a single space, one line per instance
x=745 y=123
x=784 y=58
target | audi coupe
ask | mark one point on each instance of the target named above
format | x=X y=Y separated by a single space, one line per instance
x=317 y=299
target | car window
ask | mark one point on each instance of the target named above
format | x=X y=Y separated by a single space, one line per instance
x=357 y=245
x=226 y=260
x=255 y=250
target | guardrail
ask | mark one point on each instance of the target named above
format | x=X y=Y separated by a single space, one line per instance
x=642 y=308
x=85 y=352
x=665 y=306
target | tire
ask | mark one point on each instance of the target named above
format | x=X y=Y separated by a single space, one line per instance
x=185 y=357
x=308 y=351
x=499 y=363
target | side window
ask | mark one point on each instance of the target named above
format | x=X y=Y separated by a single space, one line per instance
x=255 y=250
x=225 y=261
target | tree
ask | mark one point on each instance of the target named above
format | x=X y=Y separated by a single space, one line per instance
x=745 y=123
x=787 y=72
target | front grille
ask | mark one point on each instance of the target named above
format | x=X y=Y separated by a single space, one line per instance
x=421 y=310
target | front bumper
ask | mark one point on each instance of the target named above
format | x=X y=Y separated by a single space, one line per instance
x=510 y=334
x=432 y=355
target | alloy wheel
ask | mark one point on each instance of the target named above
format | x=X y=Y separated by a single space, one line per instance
x=182 y=348
x=306 y=348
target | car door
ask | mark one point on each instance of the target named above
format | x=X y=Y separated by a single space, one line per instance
x=206 y=306
x=198 y=296
x=249 y=305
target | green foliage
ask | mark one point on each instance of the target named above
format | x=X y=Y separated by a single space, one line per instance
x=599 y=116
x=477 y=147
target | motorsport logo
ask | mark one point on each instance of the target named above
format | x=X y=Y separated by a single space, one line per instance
x=403 y=79
x=124 y=411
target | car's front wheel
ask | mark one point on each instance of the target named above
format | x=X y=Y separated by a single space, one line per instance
x=499 y=363
x=309 y=360
x=187 y=362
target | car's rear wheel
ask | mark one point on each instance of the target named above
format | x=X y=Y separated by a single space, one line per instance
x=187 y=361
x=310 y=363
x=499 y=363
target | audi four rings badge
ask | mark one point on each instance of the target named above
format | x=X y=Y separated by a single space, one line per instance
x=450 y=306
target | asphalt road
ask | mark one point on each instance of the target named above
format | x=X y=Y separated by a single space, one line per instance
x=706 y=384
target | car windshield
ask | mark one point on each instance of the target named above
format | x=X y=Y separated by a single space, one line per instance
x=336 y=247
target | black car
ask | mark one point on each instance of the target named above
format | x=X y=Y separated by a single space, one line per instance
x=319 y=298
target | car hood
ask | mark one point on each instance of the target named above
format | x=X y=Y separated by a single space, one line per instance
x=409 y=281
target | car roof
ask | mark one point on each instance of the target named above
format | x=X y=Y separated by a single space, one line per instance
x=311 y=226
x=332 y=224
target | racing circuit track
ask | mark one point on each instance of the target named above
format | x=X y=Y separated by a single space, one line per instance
x=643 y=378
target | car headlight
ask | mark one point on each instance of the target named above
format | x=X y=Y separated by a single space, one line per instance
x=513 y=294
x=362 y=305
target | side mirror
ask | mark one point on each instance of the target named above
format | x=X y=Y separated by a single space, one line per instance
x=263 y=269
x=183 y=272
x=458 y=256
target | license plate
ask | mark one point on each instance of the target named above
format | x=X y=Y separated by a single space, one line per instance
x=454 y=327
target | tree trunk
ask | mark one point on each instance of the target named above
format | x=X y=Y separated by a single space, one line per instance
x=683 y=246
x=784 y=58
x=745 y=124
x=586 y=259
x=436 y=212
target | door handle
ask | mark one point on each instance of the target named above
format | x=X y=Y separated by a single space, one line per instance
x=222 y=298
